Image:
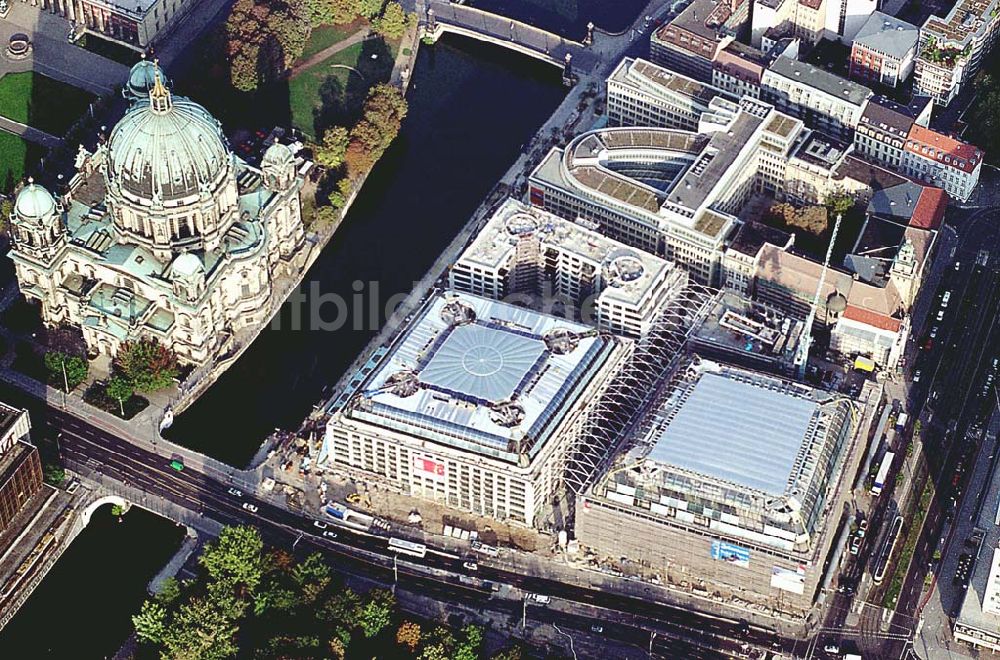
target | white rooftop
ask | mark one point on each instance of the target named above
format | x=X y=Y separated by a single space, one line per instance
x=627 y=275
x=483 y=375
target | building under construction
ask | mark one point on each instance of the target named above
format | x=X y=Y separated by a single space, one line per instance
x=733 y=484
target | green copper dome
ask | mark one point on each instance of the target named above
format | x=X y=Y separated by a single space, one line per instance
x=167 y=149
x=34 y=202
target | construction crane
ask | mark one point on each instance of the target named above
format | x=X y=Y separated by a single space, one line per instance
x=802 y=355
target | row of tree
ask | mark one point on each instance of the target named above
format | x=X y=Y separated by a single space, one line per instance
x=263 y=603
x=350 y=154
x=263 y=38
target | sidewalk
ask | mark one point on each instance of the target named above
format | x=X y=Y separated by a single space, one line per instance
x=55 y=57
x=29 y=133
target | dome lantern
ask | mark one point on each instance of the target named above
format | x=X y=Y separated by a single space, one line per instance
x=159 y=95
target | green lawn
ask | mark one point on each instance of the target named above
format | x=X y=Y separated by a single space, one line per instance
x=36 y=100
x=16 y=156
x=327 y=35
x=327 y=93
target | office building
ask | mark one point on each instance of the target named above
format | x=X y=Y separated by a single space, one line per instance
x=20 y=465
x=952 y=49
x=883 y=50
x=823 y=100
x=475 y=404
x=734 y=485
x=525 y=253
x=689 y=43
x=884 y=126
x=640 y=93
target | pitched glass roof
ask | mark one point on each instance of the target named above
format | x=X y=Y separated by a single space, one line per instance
x=743 y=432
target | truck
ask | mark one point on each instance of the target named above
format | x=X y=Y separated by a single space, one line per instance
x=883 y=473
x=901 y=421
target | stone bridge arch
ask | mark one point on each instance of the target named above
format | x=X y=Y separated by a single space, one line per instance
x=101 y=501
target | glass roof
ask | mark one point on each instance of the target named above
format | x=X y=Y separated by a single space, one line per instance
x=483 y=363
x=742 y=432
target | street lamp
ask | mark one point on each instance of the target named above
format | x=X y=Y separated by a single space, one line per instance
x=569 y=637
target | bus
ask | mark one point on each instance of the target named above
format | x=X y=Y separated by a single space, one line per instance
x=177 y=465
x=883 y=473
x=887 y=549
x=407 y=547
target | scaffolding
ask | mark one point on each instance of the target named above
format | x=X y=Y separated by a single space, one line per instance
x=632 y=392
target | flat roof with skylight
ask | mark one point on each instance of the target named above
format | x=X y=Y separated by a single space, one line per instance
x=482 y=376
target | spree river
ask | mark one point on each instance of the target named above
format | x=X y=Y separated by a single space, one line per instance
x=472 y=107
x=83 y=607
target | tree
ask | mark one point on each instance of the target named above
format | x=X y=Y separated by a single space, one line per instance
x=235 y=558
x=200 y=631
x=54 y=474
x=440 y=646
x=312 y=576
x=408 y=635
x=813 y=219
x=263 y=38
x=121 y=390
x=147 y=364
x=468 y=648
x=338 y=650
x=839 y=203
x=383 y=114
x=117 y=510
x=150 y=622
x=512 y=653
x=393 y=22
x=369 y=8
x=376 y=612
x=67 y=371
x=333 y=148
x=170 y=591
x=6 y=208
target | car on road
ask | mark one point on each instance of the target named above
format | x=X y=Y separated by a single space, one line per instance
x=958 y=264
x=319 y=524
x=330 y=535
x=252 y=508
x=934 y=332
x=940 y=315
x=235 y=492
x=916 y=376
x=855 y=545
x=862 y=528
x=470 y=565
x=831 y=648
x=540 y=598
x=597 y=629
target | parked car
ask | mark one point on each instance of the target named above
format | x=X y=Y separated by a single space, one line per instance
x=916 y=376
x=855 y=545
x=319 y=524
x=862 y=528
x=540 y=598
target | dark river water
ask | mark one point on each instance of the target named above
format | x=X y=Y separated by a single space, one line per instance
x=82 y=610
x=472 y=107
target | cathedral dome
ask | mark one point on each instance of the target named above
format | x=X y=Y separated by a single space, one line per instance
x=34 y=202
x=165 y=149
x=277 y=154
x=141 y=79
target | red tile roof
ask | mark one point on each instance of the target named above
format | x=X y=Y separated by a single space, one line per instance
x=871 y=318
x=929 y=211
x=943 y=148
